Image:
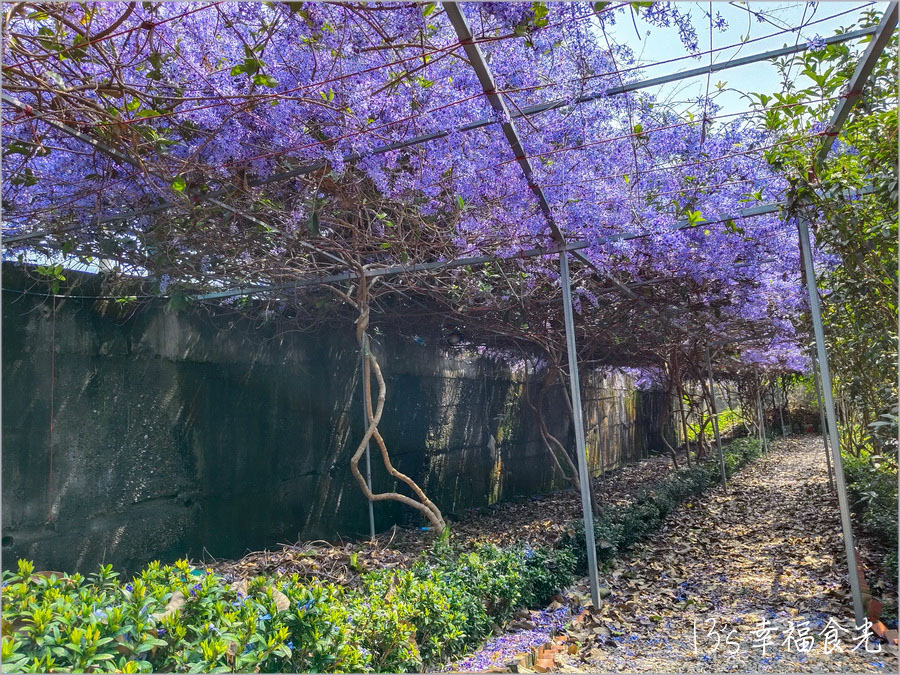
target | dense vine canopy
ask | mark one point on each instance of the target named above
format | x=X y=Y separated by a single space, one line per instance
x=205 y=146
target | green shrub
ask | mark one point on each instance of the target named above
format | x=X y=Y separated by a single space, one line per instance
x=73 y=624
x=546 y=572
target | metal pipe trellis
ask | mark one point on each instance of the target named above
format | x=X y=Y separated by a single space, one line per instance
x=883 y=33
x=761 y=417
x=864 y=68
x=750 y=212
x=390 y=271
x=837 y=461
x=781 y=413
x=824 y=427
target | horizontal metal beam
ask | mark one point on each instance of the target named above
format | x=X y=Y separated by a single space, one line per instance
x=389 y=271
x=749 y=338
x=763 y=209
x=424 y=138
x=750 y=212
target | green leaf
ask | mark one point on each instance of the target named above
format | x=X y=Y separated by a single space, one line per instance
x=694 y=217
x=429 y=8
x=265 y=80
x=313 y=224
x=251 y=66
x=179 y=184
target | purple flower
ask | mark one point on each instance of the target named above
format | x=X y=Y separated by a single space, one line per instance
x=816 y=44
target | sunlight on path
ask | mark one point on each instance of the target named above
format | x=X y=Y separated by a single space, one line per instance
x=768 y=550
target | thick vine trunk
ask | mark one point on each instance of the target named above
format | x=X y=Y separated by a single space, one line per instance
x=374 y=412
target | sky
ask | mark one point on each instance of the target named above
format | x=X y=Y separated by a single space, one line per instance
x=664 y=43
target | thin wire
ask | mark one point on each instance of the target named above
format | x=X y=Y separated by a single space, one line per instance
x=694 y=55
x=85 y=297
x=662 y=128
x=142 y=25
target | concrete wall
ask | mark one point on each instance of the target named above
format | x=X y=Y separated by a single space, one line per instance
x=175 y=432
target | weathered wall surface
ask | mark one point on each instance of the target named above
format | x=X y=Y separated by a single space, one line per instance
x=172 y=433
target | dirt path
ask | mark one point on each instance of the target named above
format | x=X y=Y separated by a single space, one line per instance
x=768 y=549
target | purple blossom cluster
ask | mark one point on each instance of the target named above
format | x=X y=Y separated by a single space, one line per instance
x=509 y=14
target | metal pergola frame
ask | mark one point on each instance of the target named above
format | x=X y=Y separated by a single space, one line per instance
x=882 y=34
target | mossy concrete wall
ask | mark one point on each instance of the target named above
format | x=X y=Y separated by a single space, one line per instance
x=174 y=433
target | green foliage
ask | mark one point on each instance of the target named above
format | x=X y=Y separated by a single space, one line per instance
x=872 y=484
x=77 y=624
x=860 y=306
x=399 y=621
x=54 y=274
x=728 y=420
x=546 y=572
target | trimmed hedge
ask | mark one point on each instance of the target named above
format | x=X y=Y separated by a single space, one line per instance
x=177 y=618
x=399 y=621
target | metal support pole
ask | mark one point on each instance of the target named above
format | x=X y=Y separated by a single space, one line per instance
x=843 y=502
x=584 y=477
x=815 y=369
x=781 y=409
x=759 y=413
x=363 y=353
x=715 y=416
